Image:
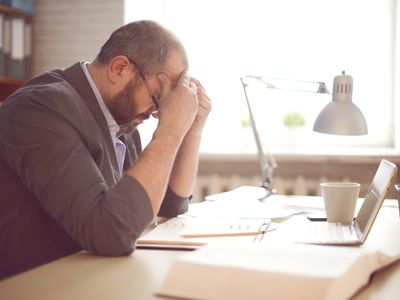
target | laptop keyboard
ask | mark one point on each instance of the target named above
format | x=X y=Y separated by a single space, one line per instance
x=324 y=232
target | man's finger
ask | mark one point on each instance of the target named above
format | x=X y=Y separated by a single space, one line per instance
x=184 y=79
x=193 y=86
x=198 y=83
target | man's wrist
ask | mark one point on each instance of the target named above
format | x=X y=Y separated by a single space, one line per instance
x=194 y=132
x=196 y=129
x=171 y=136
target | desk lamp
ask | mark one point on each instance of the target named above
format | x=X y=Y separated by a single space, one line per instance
x=340 y=116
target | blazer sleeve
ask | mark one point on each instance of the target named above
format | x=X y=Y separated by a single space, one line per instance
x=173 y=204
x=49 y=151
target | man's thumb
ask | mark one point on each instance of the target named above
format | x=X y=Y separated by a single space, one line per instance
x=165 y=83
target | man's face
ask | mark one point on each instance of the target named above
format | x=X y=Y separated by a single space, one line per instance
x=125 y=107
x=133 y=104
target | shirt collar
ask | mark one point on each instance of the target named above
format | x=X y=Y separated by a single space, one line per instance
x=112 y=124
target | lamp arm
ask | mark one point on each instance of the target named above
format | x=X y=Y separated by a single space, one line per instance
x=266 y=160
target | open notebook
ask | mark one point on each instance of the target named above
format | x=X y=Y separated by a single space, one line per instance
x=190 y=233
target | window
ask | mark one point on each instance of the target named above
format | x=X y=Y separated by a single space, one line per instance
x=306 y=40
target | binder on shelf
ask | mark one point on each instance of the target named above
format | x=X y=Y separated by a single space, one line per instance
x=1 y=44
x=26 y=6
x=7 y=45
x=27 y=49
x=17 y=47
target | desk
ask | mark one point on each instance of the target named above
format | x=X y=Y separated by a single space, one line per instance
x=84 y=276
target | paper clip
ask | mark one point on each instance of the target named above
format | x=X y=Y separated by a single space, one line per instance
x=261 y=231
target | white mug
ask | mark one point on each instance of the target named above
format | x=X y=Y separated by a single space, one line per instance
x=340 y=199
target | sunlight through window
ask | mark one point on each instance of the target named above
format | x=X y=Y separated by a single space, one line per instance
x=307 y=40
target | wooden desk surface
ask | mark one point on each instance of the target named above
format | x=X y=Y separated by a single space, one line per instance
x=84 y=276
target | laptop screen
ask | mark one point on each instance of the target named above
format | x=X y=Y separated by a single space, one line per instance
x=376 y=194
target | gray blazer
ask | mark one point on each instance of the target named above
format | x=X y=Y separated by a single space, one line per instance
x=60 y=189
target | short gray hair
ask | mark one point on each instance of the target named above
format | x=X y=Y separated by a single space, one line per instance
x=145 y=42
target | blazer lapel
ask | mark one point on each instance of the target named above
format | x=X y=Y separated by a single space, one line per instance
x=75 y=76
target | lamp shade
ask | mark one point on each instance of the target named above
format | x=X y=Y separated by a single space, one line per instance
x=341 y=116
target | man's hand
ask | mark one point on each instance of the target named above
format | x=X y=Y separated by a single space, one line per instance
x=178 y=107
x=184 y=172
x=204 y=105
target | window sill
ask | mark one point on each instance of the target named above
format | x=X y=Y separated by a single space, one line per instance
x=370 y=154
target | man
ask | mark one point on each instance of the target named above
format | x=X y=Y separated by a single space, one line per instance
x=73 y=174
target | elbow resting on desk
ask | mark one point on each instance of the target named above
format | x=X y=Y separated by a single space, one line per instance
x=111 y=223
x=111 y=238
x=120 y=217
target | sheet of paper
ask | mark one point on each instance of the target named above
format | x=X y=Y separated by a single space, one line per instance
x=242 y=193
x=244 y=202
x=250 y=210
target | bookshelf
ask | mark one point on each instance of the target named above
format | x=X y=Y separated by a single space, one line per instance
x=9 y=84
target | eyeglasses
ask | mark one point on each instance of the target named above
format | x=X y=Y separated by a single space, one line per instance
x=153 y=98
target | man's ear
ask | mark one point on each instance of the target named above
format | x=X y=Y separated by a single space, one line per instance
x=118 y=68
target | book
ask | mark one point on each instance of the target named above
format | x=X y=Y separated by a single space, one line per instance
x=17 y=47
x=27 y=50
x=283 y=271
x=25 y=6
x=1 y=45
x=6 y=45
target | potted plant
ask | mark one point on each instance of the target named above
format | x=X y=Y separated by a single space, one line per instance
x=246 y=134
x=293 y=121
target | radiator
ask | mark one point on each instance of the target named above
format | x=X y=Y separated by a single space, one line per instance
x=217 y=183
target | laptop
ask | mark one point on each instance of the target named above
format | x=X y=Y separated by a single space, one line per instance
x=354 y=233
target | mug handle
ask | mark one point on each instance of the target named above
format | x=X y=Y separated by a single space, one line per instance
x=397 y=187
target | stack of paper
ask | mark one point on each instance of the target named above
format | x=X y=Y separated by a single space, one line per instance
x=231 y=217
x=244 y=202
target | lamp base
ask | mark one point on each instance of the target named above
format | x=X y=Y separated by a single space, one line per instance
x=269 y=191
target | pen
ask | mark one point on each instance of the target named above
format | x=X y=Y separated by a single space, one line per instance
x=223 y=234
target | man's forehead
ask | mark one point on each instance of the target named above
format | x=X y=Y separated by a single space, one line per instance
x=174 y=76
x=174 y=67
